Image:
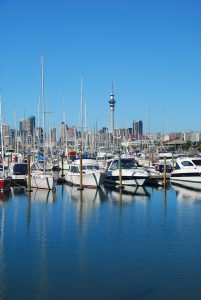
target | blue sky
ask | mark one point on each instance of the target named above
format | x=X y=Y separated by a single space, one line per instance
x=150 y=49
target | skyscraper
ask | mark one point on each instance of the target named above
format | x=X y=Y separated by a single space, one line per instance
x=137 y=129
x=28 y=125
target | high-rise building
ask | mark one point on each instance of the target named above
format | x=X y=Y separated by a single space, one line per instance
x=137 y=129
x=53 y=137
x=71 y=133
x=6 y=135
x=64 y=128
x=28 y=125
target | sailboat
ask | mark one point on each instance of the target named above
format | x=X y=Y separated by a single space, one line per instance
x=5 y=180
x=39 y=179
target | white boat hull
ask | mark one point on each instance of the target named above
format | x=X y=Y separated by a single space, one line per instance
x=43 y=181
x=129 y=177
x=190 y=181
x=129 y=182
x=90 y=180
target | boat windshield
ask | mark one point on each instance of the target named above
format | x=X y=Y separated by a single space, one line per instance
x=125 y=164
x=186 y=163
x=197 y=162
x=90 y=167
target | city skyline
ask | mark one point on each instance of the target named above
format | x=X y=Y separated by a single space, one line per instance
x=149 y=50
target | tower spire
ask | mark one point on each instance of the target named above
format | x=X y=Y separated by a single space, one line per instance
x=112 y=106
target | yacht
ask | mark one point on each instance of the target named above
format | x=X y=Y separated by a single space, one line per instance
x=131 y=173
x=187 y=172
x=92 y=176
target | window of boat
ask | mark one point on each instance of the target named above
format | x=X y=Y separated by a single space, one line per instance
x=92 y=167
x=74 y=169
x=186 y=163
x=177 y=167
x=197 y=162
x=115 y=165
x=128 y=164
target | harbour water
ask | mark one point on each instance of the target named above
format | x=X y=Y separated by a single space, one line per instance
x=100 y=244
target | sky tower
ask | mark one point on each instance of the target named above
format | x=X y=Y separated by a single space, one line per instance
x=112 y=105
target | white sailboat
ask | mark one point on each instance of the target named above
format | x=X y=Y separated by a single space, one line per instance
x=39 y=179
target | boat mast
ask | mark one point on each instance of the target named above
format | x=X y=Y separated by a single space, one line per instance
x=39 y=135
x=15 y=141
x=43 y=111
x=81 y=111
x=2 y=141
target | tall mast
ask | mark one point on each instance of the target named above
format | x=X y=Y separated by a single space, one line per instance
x=15 y=127
x=43 y=111
x=2 y=141
x=81 y=109
x=39 y=136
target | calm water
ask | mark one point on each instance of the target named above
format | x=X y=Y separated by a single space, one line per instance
x=100 y=245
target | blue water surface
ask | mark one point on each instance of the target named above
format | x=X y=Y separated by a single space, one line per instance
x=144 y=244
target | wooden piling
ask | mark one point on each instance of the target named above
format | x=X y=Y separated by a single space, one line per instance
x=62 y=165
x=164 y=174
x=28 y=174
x=120 y=172
x=80 y=188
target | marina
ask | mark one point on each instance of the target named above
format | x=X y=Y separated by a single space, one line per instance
x=100 y=150
x=100 y=243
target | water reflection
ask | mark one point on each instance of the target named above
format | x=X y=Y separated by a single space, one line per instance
x=2 y=258
x=89 y=237
x=90 y=196
x=4 y=197
x=183 y=193
x=17 y=191
x=128 y=194
x=43 y=195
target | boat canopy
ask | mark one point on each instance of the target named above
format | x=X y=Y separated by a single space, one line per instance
x=20 y=169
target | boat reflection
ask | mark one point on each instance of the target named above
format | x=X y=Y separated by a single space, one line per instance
x=4 y=197
x=18 y=190
x=128 y=194
x=94 y=196
x=183 y=193
x=2 y=254
x=43 y=195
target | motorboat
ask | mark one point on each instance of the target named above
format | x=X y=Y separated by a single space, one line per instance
x=131 y=173
x=187 y=172
x=92 y=176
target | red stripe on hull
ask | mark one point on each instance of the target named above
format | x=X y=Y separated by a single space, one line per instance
x=5 y=184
